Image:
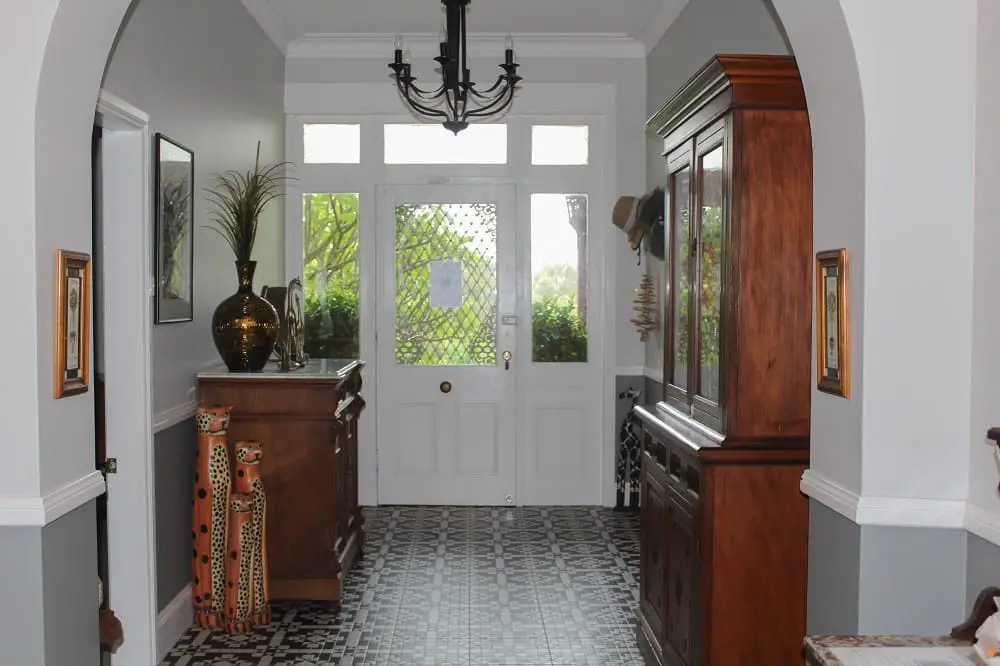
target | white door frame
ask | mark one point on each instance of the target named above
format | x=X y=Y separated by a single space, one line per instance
x=371 y=104
x=127 y=283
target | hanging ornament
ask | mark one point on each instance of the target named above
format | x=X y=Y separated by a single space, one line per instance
x=645 y=306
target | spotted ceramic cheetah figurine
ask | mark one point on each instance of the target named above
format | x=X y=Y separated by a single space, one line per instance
x=212 y=483
x=247 y=481
x=239 y=564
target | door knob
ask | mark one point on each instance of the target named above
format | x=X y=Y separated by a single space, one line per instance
x=506 y=360
x=445 y=387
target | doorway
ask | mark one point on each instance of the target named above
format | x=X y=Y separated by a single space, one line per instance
x=488 y=389
x=122 y=251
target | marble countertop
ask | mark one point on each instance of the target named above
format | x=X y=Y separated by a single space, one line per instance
x=320 y=368
x=820 y=649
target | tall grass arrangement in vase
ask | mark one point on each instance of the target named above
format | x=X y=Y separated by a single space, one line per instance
x=244 y=326
x=237 y=200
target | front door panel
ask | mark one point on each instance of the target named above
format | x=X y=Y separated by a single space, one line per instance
x=446 y=423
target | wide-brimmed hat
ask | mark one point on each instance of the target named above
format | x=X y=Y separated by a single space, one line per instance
x=625 y=216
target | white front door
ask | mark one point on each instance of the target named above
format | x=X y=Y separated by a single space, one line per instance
x=489 y=382
x=446 y=375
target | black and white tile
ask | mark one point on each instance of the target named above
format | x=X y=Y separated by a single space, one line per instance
x=528 y=586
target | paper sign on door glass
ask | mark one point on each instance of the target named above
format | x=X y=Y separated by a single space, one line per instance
x=446 y=284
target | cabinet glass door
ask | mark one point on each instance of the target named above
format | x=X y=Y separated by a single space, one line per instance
x=711 y=195
x=680 y=278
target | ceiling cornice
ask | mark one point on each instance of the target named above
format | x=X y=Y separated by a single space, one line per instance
x=661 y=22
x=261 y=11
x=485 y=45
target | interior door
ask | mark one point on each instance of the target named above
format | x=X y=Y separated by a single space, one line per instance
x=446 y=345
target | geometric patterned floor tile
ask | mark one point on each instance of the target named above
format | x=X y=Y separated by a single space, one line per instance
x=525 y=586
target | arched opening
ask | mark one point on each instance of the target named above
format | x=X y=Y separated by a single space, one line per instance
x=74 y=38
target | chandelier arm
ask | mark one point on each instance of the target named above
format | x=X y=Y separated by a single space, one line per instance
x=419 y=106
x=417 y=89
x=486 y=94
x=492 y=110
x=429 y=95
x=423 y=109
x=499 y=103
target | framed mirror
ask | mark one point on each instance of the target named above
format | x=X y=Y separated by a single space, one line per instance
x=174 y=241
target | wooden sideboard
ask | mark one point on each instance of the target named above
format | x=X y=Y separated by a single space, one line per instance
x=307 y=422
x=724 y=542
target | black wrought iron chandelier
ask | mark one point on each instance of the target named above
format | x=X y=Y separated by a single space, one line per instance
x=457 y=100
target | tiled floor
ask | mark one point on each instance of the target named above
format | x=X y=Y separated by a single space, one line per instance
x=458 y=585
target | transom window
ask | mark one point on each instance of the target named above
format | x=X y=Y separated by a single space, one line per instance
x=560 y=145
x=433 y=144
x=331 y=143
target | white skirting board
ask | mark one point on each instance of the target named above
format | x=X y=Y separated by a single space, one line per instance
x=173 y=622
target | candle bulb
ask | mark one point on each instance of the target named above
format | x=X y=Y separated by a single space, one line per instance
x=509 y=50
x=397 y=46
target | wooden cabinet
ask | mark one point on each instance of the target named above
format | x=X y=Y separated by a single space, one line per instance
x=724 y=526
x=307 y=422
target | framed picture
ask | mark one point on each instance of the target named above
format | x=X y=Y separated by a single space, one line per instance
x=833 y=341
x=174 y=232
x=71 y=362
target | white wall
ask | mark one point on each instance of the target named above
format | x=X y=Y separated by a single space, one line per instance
x=918 y=247
x=218 y=91
x=626 y=74
x=703 y=29
x=984 y=506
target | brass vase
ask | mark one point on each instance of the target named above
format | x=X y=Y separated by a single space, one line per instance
x=245 y=326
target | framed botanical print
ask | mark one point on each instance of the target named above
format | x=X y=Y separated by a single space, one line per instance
x=174 y=232
x=71 y=358
x=833 y=341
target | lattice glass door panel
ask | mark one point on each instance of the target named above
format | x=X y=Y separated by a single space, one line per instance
x=446 y=284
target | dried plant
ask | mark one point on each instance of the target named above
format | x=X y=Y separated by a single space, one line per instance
x=239 y=198
x=176 y=200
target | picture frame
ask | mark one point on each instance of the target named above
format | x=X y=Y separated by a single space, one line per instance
x=174 y=222
x=71 y=350
x=833 y=331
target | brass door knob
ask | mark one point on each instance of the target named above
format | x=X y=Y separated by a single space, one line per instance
x=445 y=387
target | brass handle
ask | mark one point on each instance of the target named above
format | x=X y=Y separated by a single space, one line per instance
x=445 y=387
x=506 y=360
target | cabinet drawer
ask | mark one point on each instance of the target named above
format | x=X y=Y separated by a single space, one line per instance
x=684 y=478
x=265 y=398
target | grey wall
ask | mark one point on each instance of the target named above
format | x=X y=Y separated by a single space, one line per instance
x=50 y=614
x=834 y=572
x=703 y=29
x=982 y=567
x=887 y=580
x=174 y=455
x=209 y=78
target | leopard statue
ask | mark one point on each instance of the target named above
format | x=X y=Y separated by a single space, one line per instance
x=239 y=565
x=212 y=485
x=247 y=481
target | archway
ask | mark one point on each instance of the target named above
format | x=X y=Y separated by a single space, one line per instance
x=55 y=59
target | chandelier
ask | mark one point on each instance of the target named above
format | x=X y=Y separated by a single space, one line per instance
x=458 y=99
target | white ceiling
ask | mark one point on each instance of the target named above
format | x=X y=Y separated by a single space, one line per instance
x=290 y=21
